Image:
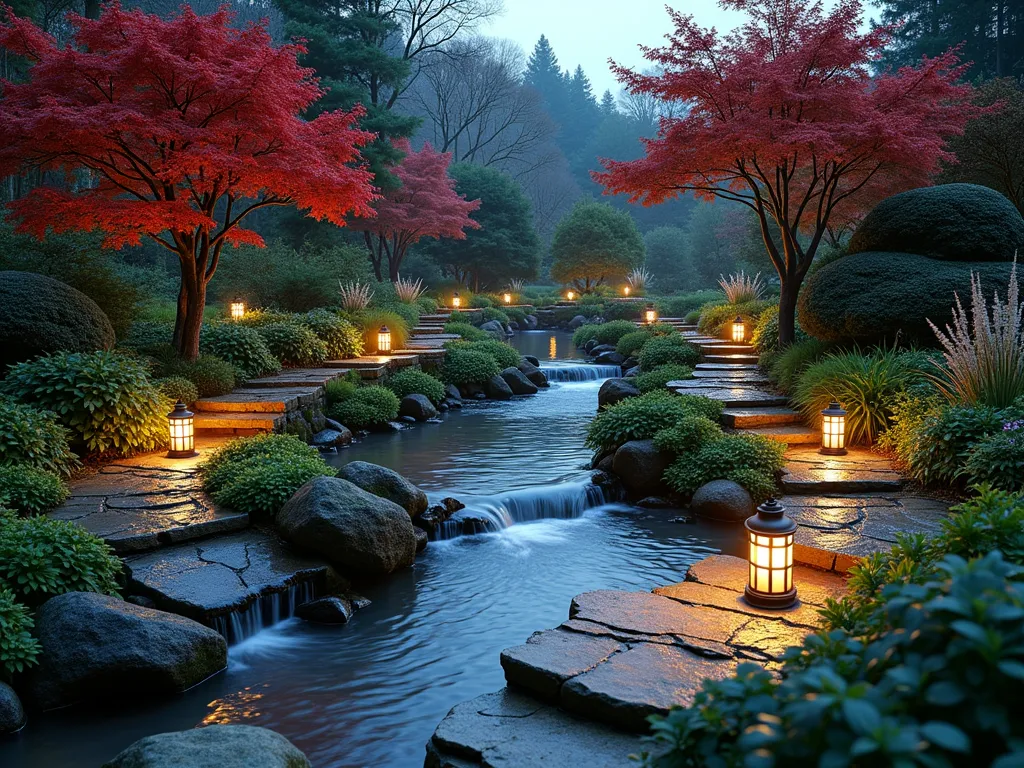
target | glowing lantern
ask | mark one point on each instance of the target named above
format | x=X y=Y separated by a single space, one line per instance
x=650 y=315
x=833 y=430
x=625 y=290
x=384 y=341
x=237 y=309
x=508 y=298
x=739 y=330
x=570 y=295
x=770 y=535
x=181 y=423
x=456 y=300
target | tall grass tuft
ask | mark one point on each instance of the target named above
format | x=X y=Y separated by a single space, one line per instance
x=409 y=291
x=356 y=296
x=639 y=280
x=983 y=358
x=370 y=321
x=740 y=288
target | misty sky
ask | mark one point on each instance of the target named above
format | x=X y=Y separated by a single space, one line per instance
x=588 y=32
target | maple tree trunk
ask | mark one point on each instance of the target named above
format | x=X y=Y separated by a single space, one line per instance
x=787 y=311
x=191 y=303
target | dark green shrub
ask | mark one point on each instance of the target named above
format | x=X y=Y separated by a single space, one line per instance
x=211 y=375
x=465 y=366
x=894 y=297
x=455 y=316
x=41 y=557
x=681 y=306
x=242 y=346
x=342 y=338
x=427 y=305
x=342 y=388
x=622 y=310
x=662 y=375
x=750 y=460
x=788 y=366
x=641 y=418
x=998 y=459
x=480 y=301
x=951 y=222
x=692 y=317
x=29 y=490
x=515 y=314
x=764 y=336
x=145 y=335
x=493 y=313
x=34 y=437
x=466 y=331
x=40 y=315
x=505 y=355
x=259 y=474
x=293 y=344
x=688 y=435
x=944 y=439
x=631 y=343
x=665 y=350
x=410 y=381
x=366 y=407
x=605 y=333
x=19 y=650
x=105 y=398
x=257 y=318
x=715 y=317
x=178 y=389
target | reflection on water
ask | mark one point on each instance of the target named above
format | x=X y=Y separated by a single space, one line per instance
x=371 y=692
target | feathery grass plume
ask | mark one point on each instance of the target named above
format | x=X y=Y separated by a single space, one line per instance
x=740 y=288
x=516 y=286
x=409 y=290
x=639 y=280
x=355 y=296
x=983 y=357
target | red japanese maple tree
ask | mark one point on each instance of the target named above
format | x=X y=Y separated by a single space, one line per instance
x=785 y=116
x=183 y=126
x=425 y=205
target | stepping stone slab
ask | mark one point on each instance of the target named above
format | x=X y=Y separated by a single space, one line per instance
x=727 y=367
x=727 y=393
x=693 y=593
x=730 y=573
x=512 y=730
x=750 y=359
x=280 y=400
x=233 y=420
x=549 y=658
x=741 y=418
x=791 y=434
x=809 y=472
x=753 y=376
x=297 y=377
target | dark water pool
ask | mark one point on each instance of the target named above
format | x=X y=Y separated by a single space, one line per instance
x=371 y=693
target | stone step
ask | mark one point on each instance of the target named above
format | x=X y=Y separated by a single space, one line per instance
x=427 y=330
x=269 y=400
x=238 y=423
x=440 y=317
x=727 y=348
x=727 y=367
x=750 y=376
x=790 y=434
x=749 y=359
x=859 y=471
x=730 y=394
x=745 y=418
x=297 y=377
x=430 y=355
x=374 y=361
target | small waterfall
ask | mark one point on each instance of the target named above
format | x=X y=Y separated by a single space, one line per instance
x=581 y=372
x=546 y=502
x=265 y=611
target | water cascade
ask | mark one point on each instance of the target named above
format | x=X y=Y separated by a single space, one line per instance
x=581 y=372
x=265 y=611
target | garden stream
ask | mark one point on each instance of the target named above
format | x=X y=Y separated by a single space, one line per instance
x=371 y=692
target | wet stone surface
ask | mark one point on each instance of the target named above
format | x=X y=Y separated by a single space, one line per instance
x=859 y=471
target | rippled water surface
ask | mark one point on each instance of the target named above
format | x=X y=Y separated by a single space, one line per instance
x=370 y=693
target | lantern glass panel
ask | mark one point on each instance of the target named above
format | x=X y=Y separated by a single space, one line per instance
x=384 y=341
x=833 y=430
x=508 y=298
x=237 y=309
x=739 y=332
x=181 y=432
x=456 y=301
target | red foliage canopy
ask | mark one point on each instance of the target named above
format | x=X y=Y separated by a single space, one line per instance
x=425 y=205
x=783 y=115
x=184 y=125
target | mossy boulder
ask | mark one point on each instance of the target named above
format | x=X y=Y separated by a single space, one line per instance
x=951 y=222
x=869 y=298
x=40 y=315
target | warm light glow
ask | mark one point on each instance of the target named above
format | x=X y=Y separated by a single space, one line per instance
x=650 y=315
x=553 y=348
x=625 y=290
x=508 y=298
x=456 y=300
x=739 y=329
x=237 y=309
x=383 y=341
x=833 y=430
x=570 y=295
x=770 y=541
x=181 y=426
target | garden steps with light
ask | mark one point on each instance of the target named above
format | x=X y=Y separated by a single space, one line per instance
x=730 y=358
x=297 y=377
x=790 y=434
x=749 y=417
x=742 y=374
x=727 y=367
x=732 y=394
x=257 y=400
x=373 y=362
x=427 y=330
x=238 y=423
x=725 y=348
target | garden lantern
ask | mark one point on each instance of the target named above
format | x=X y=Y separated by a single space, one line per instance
x=625 y=291
x=739 y=329
x=508 y=298
x=237 y=309
x=650 y=315
x=384 y=341
x=770 y=535
x=833 y=430
x=181 y=423
x=570 y=295
x=456 y=300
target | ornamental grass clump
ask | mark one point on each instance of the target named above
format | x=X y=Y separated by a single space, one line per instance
x=740 y=288
x=984 y=350
x=355 y=296
x=371 y=320
x=409 y=291
x=639 y=280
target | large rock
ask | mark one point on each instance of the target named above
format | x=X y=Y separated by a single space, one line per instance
x=614 y=391
x=332 y=438
x=100 y=647
x=216 y=746
x=532 y=360
x=12 y=714
x=609 y=358
x=518 y=383
x=496 y=389
x=577 y=321
x=722 y=500
x=531 y=322
x=417 y=407
x=640 y=466
x=363 y=535
x=533 y=373
x=40 y=315
x=386 y=483
x=452 y=392
x=495 y=329
x=326 y=610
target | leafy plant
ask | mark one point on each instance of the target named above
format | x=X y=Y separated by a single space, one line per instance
x=19 y=650
x=409 y=291
x=145 y=334
x=665 y=350
x=179 y=389
x=466 y=331
x=714 y=318
x=34 y=437
x=785 y=369
x=984 y=352
x=41 y=557
x=998 y=459
x=944 y=439
x=342 y=338
x=605 y=333
x=105 y=398
x=687 y=435
x=341 y=388
x=409 y=381
x=259 y=474
x=242 y=346
x=210 y=375
x=30 y=491
x=505 y=355
x=467 y=366
x=366 y=407
x=632 y=342
x=662 y=375
x=750 y=460
x=641 y=418
x=355 y=296
x=493 y=313
x=740 y=288
x=683 y=305
x=294 y=344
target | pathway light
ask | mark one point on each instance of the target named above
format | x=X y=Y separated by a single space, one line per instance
x=384 y=341
x=237 y=309
x=508 y=298
x=650 y=315
x=456 y=300
x=833 y=430
x=181 y=424
x=739 y=329
x=770 y=535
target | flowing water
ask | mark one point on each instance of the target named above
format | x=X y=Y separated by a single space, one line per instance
x=370 y=693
